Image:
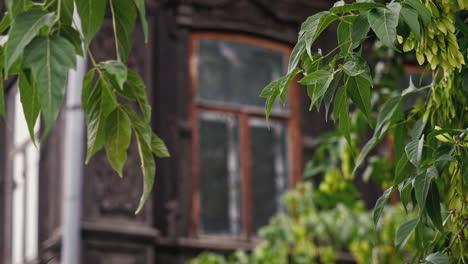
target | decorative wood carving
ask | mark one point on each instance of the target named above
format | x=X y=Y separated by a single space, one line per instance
x=274 y=19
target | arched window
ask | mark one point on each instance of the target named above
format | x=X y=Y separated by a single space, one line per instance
x=241 y=163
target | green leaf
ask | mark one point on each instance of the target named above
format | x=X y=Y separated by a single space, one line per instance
x=138 y=88
x=311 y=64
x=315 y=29
x=414 y=151
x=341 y=112
x=433 y=206
x=380 y=204
x=317 y=77
x=386 y=112
x=100 y=104
x=67 y=8
x=49 y=59
x=405 y=189
x=118 y=136
x=92 y=15
x=140 y=4
x=296 y=54
x=360 y=93
x=422 y=182
x=123 y=17
x=434 y=133
x=284 y=85
x=362 y=7
x=418 y=128
x=437 y=258
x=30 y=102
x=318 y=82
x=144 y=140
x=310 y=24
x=375 y=139
x=14 y=7
x=23 y=30
x=384 y=22
x=400 y=132
x=359 y=30
x=158 y=147
x=116 y=69
x=73 y=36
x=344 y=34
x=5 y=23
x=400 y=168
x=404 y=232
x=148 y=166
x=87 y=84
x=422 y=10
x=330 y=93
x=410 y=17
x=271 y=92
x=355 y=65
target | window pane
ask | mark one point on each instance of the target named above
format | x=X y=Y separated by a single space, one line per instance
x=269 y=169
x=235 y=73
x=219 y=183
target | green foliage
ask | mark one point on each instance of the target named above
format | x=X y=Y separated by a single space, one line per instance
x=124 y=17
x=40 y=47
x=30 y=100
x=23 y=30
x=312 y=232
x=435 y=185
x=118 y=139
x=384 y=21
x=92 y=14
x=49 y=61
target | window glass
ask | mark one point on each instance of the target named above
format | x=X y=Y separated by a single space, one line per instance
x=269 y=168
x=235 y=73
x=219 y=173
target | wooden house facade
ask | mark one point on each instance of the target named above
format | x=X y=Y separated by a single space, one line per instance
x=205 y=65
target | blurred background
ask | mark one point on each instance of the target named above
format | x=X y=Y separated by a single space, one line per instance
x=205 y=65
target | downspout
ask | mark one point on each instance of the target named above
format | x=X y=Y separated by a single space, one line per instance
x=73 y=163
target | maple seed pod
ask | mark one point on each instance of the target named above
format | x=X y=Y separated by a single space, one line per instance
x=400 y=39
x=430 y=29
x=449 y=25
x=442 y=28
x=434 y=48
x=420 y=58
x=409 y=45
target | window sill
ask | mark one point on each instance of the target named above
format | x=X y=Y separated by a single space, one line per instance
x=210 y=242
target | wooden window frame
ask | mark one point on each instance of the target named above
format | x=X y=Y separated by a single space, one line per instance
x=291 y=118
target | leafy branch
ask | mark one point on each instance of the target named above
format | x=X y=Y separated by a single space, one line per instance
x=40 y=46
x=425 y=29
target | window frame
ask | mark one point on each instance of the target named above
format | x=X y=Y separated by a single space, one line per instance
x=291 y=118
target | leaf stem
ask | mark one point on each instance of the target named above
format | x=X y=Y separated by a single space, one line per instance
x=59 y=11
x=457 y=235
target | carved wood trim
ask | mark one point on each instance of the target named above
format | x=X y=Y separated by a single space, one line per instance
x=128 y=231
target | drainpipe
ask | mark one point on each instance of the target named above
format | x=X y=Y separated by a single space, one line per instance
x=73 y=163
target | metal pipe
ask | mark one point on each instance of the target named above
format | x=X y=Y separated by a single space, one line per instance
x=73 y=163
